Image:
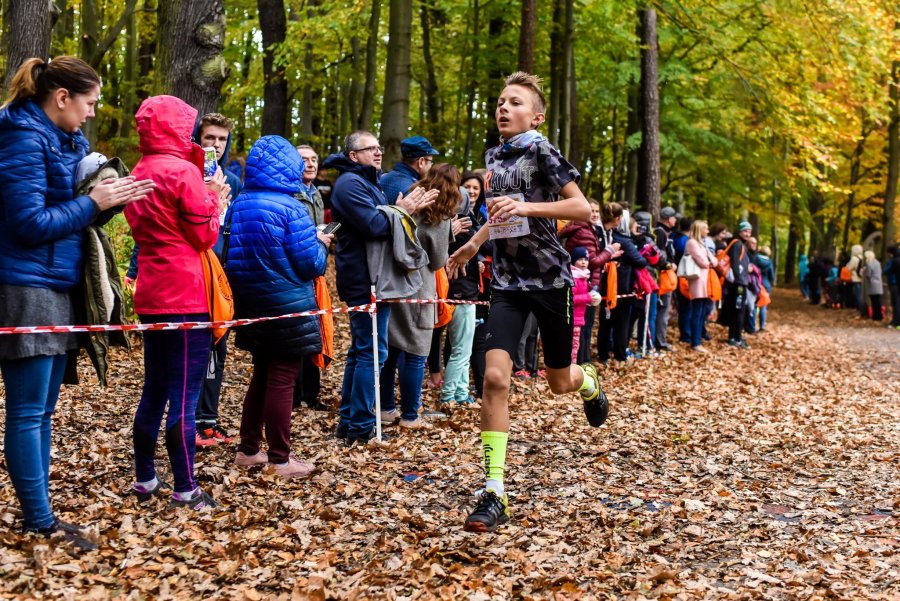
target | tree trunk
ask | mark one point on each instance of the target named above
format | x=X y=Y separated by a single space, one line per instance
x=130 y=84
x=526 y=35
x=557 y=71
x=63 y=29
x=27 y=25
x=368 y=97
x=273 y=24
x=395 y=116
x=246 y=60
x=890 y=194
x=355 y=91
x=472 y=85
x=632 y=127
x=430 y=89
x=148 y=28
x=649 y=162
x=191 y=41
x=794 y=237
x=567 y=117
x=495 y=75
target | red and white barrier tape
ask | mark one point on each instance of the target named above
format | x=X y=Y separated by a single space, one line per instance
x=186 y=325
x=233 y=323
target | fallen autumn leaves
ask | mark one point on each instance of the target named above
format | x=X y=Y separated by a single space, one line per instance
x=763 y=474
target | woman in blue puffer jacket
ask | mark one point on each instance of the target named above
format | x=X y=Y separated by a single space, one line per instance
x=41 y=227
x=273 y=254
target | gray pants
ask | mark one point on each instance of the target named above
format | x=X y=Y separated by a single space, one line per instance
x=527 y=355
x=662 y=320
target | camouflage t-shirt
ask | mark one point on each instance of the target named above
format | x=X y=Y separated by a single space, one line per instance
x=537 y=260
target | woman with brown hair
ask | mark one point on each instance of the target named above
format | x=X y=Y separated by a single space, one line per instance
x=41 y=228
x=411 y=326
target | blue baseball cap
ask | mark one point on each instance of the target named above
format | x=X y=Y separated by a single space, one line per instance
x=417 y=146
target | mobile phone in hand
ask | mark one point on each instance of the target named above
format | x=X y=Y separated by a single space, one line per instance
x=329 y=228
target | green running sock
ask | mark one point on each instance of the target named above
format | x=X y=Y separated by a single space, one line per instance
x=587 y=384
x=493 y=446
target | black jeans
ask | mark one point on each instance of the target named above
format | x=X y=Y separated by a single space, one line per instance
x=614 y=329
x=208 y=405
x=737 y=314
x=895 y=304
x=308 y=383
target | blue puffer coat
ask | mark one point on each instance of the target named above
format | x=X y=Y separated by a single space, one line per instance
x=41 y=219
x=274 y=254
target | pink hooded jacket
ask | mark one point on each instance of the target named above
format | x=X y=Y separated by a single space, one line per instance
x=179 y=219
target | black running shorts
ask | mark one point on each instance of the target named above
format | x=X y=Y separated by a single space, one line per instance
x=553 y=311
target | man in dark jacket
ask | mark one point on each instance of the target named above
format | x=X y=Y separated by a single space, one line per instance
x=355 y=200
x=418 y=157
x=736 y=285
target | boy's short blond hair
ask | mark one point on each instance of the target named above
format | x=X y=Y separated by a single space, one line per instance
x=533 y=83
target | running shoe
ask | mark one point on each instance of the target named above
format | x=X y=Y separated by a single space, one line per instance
x=221 y=435
x=491 y=512
x=206 y=438
x=199 y=501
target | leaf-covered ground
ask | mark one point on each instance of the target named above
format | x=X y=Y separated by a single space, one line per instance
x=771 y=473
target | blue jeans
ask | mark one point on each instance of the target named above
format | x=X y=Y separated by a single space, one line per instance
x=412 y=370
x=698 y=317
x=357 y=414
x=32 y=388
x=175 y=364
x=762 y=317
x=461 y=333
x=684 y=317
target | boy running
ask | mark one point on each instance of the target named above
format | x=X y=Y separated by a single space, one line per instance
x=531 y=275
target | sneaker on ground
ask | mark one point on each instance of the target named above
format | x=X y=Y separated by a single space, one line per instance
x=294 y=468
x=523 y=374
x=541 y=373
x=244 y=460
x=699 y=349
x=221 y=435
x=491 y=512
x=743 y=344
x=733 y=342
x=145 y=495
x=365 y=438
x=201 y=500
x=596 y=405
x=469 y=400
x=72 y=533
x=390 y=417
x=206 y=438
x=415 y=424
x=433 y=414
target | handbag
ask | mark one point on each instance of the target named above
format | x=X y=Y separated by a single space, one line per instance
x=688 y=268
x=218 y=292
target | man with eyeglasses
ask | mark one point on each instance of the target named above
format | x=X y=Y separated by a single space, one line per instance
x=418 y=157
x=354 y=204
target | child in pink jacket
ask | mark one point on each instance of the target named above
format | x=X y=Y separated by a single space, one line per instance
x=582 y=296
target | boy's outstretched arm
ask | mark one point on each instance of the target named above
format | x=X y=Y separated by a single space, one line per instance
x=456 y=264
x=572 y=206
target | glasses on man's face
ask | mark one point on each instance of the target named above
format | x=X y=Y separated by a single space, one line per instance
x=429 y=159
x=372 y=149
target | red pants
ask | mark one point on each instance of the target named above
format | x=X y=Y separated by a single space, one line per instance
x=269 y=401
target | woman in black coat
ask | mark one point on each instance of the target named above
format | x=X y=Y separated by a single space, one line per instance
x=614 y=323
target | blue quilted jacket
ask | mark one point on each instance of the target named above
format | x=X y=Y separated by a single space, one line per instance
x=41 y=219
x=274 y=254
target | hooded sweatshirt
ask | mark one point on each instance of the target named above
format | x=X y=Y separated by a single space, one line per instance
x=856 y=263
x=179 y=219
